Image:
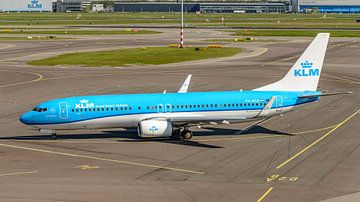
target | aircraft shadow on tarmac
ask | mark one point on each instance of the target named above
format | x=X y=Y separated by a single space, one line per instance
x=130 y=135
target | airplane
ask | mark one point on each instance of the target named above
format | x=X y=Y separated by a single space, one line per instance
x=172 y=114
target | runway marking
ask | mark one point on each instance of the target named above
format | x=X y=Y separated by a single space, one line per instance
x=18 y=173
x=265 y=194
x=103 y=159
x=87 y=167
x=40 y=77
x=281 y=178
x=317 y=141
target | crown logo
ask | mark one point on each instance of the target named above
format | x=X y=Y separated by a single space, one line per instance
x=83 y=101
x=34 y=1
x=306 y=64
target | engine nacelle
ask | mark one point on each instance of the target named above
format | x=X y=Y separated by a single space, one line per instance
x=155 y=128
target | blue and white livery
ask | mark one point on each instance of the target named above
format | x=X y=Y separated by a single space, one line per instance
x=172 y=114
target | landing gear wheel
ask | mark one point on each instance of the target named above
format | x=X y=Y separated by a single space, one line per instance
x=54 y=136
x=187 y=135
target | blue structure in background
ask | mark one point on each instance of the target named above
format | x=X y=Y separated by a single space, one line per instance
x=331 y=9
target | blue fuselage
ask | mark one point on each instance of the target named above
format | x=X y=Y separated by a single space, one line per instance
x=128 y=109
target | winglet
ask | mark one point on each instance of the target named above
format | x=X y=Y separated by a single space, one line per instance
x=185 y=85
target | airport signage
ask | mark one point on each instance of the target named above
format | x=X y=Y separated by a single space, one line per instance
x=26 y=5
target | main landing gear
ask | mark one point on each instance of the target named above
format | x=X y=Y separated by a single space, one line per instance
x=183 y=133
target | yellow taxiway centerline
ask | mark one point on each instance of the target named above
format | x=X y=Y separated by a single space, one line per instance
x=18 y=173
x=102 y=159
x=40 y=77
x=265 y=194
x=317 y=141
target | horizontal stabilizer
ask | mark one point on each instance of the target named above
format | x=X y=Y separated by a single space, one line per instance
x=323 y=94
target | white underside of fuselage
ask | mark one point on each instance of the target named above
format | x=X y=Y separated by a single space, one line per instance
x=177 y=118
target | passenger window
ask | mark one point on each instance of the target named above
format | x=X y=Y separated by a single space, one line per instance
x=139 y=107
x=77 y=110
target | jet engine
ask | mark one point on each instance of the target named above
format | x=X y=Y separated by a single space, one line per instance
x=155 y=128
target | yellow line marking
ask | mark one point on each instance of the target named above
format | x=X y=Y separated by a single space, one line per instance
x=18 y=173
x=316 y=130
x=87 y=167
x=40 y=77
x=317 y=141
x=103 y=159
x=265 y=194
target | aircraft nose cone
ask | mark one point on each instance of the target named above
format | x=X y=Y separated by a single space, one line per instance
x=26 y=118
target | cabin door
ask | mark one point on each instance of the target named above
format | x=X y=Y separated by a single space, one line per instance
x=279 y=103
x=160 y=108
x=63 y=110
x=168 y=108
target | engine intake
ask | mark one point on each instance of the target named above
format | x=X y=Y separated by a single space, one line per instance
x=155 y=128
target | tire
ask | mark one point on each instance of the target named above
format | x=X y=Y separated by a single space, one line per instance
x=187 y=135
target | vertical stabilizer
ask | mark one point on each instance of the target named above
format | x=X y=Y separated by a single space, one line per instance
x=304 y=75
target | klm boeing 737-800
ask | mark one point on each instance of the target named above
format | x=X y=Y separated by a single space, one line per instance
x=172 y=114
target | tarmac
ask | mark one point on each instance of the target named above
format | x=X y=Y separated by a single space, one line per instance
x=311 y=154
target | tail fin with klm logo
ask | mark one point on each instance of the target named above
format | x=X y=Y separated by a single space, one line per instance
x=304 y=75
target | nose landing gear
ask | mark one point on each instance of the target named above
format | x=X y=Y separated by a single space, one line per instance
x=49 y=131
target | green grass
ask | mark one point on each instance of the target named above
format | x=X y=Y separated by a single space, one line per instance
x=76 y=32
x=191 y=19
x=334 y=33
x=142 y=56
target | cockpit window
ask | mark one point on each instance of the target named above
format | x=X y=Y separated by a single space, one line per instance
x=40 y=109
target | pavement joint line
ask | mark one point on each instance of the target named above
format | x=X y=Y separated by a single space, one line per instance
x=18 y=173
x=343 y=79
x=234 y=138
x=318 y=140
x=40 y=77
x=102 y=159
x=350 y=78
x=265 y=194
